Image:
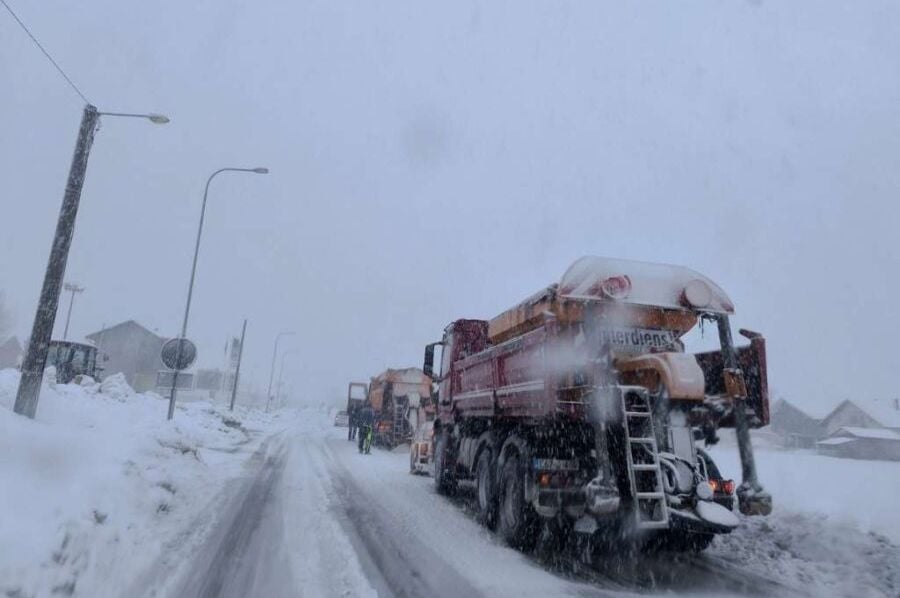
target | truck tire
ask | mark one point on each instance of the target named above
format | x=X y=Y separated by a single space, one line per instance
x=486 y=489
x=678 y=541
x=517 y=521
x=444 y=472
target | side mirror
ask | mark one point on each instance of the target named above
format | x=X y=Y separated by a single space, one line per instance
x=428 y=364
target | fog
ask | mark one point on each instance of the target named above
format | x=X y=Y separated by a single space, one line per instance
x=435 y=162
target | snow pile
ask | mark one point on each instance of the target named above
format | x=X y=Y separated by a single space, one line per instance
x=116 y=387
x=93 y=488
x=835 y=528
x=815 y=553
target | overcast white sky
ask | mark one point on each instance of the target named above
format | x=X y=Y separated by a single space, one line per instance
x=431 y=162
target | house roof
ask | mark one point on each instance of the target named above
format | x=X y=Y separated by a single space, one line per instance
x=789 y=419
x=883 y=411
x=836 y=441
x=874 y=433
x=119 y=327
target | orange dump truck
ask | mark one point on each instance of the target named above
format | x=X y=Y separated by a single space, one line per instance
x=392 y=394
x=579 y=409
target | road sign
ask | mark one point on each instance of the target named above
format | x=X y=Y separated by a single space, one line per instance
x=170 y=357
x=164 y=381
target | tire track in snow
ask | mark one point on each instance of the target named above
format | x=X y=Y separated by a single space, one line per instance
x=406 y=566
x=231 y=564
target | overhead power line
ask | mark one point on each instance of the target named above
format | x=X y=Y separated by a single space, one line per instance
x=46 y=53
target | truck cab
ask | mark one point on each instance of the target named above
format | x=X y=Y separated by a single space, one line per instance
x=73 y=359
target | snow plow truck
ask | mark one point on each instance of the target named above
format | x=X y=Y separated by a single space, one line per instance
x=391 y=394
x=578 y=410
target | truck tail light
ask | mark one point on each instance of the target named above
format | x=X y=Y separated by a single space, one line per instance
x=697 y=294
x=726 y=486
x=616 y=287
x=544 y=479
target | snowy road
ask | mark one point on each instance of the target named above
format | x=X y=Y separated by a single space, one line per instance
x=312 y=517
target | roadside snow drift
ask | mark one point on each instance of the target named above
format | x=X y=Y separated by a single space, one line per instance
x=93 y=488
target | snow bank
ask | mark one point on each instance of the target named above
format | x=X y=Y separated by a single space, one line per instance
x=851 y=491
x=93 y=488
x=835 y=528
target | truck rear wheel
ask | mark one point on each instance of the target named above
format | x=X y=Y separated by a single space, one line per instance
x=486 y=490
x=678 y=541
x=444 y=472
x=517 y=519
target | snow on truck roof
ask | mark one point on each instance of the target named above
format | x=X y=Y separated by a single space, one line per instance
x=642 y=283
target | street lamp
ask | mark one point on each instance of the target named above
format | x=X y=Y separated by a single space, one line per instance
x=45 y=316
x=272 y=369
x=281 y=369
x=158 y=119
x=187 y=306
x=72 y=288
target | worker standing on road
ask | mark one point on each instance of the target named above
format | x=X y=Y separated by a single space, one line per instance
x=353 y=422
x=365 y=421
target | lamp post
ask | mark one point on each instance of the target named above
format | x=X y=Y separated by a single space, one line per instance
x=237 y=370
x=281 y=370
x=187 y=305
x=272 y=369
x=45 y=316
x=72 y=288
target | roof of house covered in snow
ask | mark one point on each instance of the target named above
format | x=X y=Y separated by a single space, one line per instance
x=883 y=412
x=836 y=441
x=128 y=326
x=789 y=419
x=873 y=433
x=886 y=411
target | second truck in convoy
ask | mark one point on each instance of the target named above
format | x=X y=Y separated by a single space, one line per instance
x=393 y=394
x=579 y=410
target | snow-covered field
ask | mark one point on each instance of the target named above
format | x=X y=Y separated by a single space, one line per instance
x=99 y=482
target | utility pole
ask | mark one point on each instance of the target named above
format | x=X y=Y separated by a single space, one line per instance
x=72 y=288
x=187 y=305
x=237 y=371
x=272 y=369
x=45 y=318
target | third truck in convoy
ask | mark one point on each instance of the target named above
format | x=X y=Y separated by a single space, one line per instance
x=580 y=411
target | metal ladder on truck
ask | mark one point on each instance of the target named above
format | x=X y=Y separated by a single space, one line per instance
x=644 y=473
x=399 y=432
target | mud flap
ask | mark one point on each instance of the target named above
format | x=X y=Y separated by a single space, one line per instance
x=754 y=501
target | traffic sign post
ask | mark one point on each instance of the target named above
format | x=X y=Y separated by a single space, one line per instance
x=177 y=354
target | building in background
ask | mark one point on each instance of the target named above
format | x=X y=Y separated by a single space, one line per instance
x=793 y=426
x=10 y=352
x=862 y=443
x=862 y=429
x=873 y=413
x=133 y=350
